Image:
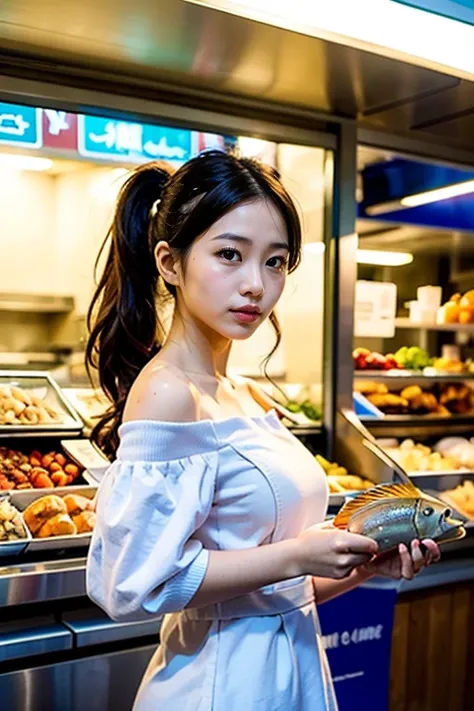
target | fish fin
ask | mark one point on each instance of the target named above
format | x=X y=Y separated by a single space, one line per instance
x=377 y=493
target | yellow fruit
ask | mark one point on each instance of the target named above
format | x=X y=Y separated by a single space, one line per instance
x=323 y=462
x=466 y=316
x=467 y=301
x=452 y=311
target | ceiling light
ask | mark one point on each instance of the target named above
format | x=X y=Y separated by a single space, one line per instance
x=18 y=162
x=449 y=191
x=314 y=247
x=381 y=258
x=251 y=147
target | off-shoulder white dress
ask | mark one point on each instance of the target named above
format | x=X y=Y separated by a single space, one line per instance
x=177 y=491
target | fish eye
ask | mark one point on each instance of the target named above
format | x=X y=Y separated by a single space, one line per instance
x=447 y=513
x=428 y=511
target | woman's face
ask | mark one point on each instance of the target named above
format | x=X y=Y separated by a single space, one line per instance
x=235 y=272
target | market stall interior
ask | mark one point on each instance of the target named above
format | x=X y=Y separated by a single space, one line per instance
x=67 y=169
x=414 y=320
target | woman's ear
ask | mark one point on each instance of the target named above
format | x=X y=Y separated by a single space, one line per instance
x=167 y=265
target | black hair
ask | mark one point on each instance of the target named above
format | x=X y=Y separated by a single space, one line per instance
x=156 y=203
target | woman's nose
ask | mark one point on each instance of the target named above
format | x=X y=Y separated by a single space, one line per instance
x=252 y=283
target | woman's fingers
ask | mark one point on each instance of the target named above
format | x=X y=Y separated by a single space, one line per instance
x=432 y=554
x=417 y=556
x=407 y=567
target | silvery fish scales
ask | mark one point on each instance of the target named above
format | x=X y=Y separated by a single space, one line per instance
x=399 y=513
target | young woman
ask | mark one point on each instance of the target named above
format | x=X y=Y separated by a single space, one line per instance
x=212 y=512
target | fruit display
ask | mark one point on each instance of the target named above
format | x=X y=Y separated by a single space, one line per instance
x=20 y=407
x=461 y=498
x=412 y=358
x=54 y=515
x=452 y=366
x=339 y=479
x=416 y=457
x=442 y=399
x=370 y=360
x=12 y=527
x=459 y=309
x=35 y=470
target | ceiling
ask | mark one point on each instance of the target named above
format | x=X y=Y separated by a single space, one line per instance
x=196 y=54
x=428 y=241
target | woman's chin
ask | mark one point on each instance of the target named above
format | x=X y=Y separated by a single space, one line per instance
x=239 y=332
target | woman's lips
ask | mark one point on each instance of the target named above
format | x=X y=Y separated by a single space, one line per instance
x=245 y=316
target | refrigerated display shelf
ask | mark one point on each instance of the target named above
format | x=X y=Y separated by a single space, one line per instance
x=411 y=375
x=405 y=323
x=414 y=426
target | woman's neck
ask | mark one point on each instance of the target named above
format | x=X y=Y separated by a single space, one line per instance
x=194 y=348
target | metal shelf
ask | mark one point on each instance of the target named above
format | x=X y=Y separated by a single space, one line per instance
x=418 y=426
x=411 y=375
x=406 y=323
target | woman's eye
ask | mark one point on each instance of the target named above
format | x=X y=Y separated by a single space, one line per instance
x=229 y=255
x=277 y=262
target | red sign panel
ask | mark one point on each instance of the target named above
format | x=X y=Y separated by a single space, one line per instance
x=59 y=130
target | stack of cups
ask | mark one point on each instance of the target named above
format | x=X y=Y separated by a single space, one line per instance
x=429 y=301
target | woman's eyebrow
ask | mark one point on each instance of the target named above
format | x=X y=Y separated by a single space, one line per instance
x=247 y=240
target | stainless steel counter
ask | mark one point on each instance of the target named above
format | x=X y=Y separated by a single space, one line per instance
x=60 y=580
x=22 y=583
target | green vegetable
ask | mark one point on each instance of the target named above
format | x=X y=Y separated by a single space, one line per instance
x=413 y=358
x=308 y=408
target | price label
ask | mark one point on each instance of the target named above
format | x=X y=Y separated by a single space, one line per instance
x=375 y=309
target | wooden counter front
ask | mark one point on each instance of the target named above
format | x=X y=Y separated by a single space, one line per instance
x=433 y=650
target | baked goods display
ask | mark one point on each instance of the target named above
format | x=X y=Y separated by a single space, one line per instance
x=461 y=498
x=18 y=406
x=441 y=399
x=416 y=457
x=35 y=470
x=12 y=527
x=53 y=515
x=339 y=479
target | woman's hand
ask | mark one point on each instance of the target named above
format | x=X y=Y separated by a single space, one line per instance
x=404 y=563
x=324 y=551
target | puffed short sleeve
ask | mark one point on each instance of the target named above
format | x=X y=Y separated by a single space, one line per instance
x=143 y=560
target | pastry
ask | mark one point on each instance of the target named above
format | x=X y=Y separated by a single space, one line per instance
x=76 y=504
x=59 y=525
x=41 y=510
x=85 y=521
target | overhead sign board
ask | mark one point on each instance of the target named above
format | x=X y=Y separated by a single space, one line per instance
x=461 y=10
x=108 y=138
x=20 y=125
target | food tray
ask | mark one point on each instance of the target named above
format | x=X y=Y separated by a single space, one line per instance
x=22 y=499
x=89 y=403
x=75 y=451
x=443 y=481
x=14 y=548
x=42 y=385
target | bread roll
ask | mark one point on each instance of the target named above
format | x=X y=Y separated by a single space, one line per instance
x=76 y=504
x=85 y=521
x=41 y=510
x=59 y=525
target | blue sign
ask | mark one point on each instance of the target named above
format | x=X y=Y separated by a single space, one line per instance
x=20 y=125
x=121 y=140
x=357 y=634
x=461 y=10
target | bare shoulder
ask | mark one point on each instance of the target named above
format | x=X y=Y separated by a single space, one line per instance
x=161 y=393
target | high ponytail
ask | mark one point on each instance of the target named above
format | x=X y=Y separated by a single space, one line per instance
x=122 y=318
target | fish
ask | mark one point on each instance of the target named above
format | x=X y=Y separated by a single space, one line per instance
x=399 y=513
